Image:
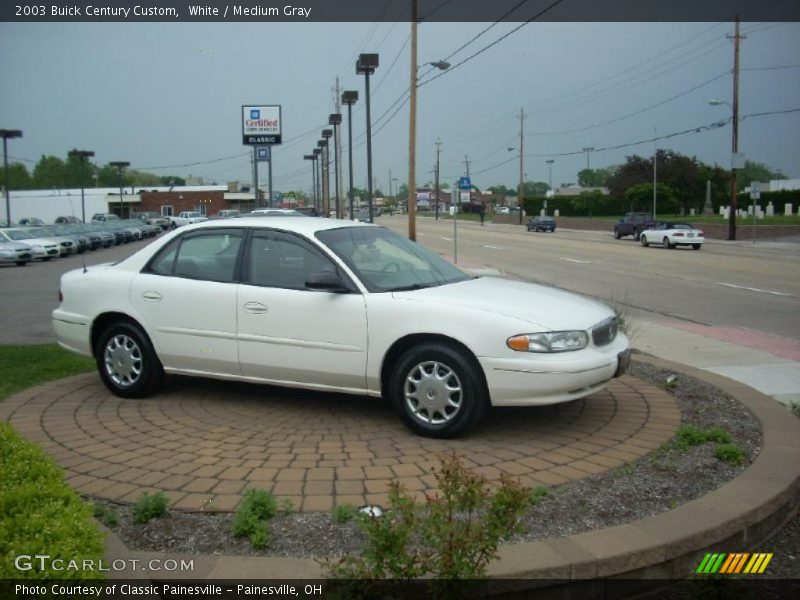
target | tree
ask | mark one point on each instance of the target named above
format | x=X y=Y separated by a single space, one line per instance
x=501 y=189
x=49 y=172
x=402 y=193
x=754 y=171
x=18 y=177
x=639 y=197
x=594 y=177
x=535 y=188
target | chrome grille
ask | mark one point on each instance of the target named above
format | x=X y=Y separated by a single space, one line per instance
x=604 y=332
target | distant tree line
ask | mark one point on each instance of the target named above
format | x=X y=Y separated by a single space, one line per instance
x=54 y=172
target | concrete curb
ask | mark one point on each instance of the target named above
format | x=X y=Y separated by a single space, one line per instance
x=736 y=517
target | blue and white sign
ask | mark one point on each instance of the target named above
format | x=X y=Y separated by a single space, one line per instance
x=464 y=183
x=264 y=153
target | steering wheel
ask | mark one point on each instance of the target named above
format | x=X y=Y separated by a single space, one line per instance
x=397 y=267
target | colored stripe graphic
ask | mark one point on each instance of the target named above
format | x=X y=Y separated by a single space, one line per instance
x=734 y=563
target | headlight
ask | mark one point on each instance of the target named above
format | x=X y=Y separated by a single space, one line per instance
x=551 y=341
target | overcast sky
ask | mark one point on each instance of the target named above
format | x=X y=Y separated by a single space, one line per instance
x=168 y=95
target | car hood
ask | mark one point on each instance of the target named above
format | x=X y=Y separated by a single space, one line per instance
x=545 y=307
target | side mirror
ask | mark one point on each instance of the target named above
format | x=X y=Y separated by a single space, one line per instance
x=327 y=281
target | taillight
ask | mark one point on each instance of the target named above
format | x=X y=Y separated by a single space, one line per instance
x=699 y=233
x=677 y=235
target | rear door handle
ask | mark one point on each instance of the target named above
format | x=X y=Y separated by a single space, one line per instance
x=255 y=307
x=153 y=296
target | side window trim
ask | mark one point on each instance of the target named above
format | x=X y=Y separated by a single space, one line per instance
x=178 y=242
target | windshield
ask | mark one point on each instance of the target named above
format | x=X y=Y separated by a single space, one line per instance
x=16 y=234
x=385 y=261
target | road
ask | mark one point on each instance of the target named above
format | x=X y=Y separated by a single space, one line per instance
x=726 y=284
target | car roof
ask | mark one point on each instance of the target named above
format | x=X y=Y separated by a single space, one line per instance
x=296 y=223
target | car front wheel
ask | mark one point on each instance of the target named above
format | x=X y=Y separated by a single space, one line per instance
x=127 y=362
x=436 y=392
x=644 y=241
x=617 y=234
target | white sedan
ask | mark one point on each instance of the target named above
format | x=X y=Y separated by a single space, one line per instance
x=671 y=235
x=336 y=306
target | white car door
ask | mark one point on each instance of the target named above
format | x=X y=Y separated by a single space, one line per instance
x=187 y=299
x=289 y=334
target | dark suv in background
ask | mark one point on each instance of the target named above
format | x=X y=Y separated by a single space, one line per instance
x=542 y=224
x=633 y=223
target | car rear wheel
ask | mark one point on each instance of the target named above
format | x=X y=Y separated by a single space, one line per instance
x=666 y=243
x=21 y=263
x=644 y=241
x=617 y=234
x=436 y=391
x=636 y=234
x=127 y=362
x=697 y=246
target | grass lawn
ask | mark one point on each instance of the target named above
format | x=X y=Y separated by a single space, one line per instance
x=25 y=366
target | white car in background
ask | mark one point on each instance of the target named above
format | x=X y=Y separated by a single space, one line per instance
x=671 y=234
x=336 y=306
x=43 y=248
x=17 y=252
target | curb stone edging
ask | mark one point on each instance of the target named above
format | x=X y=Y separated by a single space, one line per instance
x=735 y=517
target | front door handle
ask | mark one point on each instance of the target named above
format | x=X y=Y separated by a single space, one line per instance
x=255 y=308
x=153 y=296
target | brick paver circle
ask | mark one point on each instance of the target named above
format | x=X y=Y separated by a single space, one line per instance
x=204 y=442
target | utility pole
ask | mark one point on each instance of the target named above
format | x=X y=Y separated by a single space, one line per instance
x=412 y=130
x=521 y=169
x=466 y=162
x=438 y=150
x=735 y=135
x=340 y=183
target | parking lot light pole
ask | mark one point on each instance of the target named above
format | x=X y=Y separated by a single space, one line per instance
x=350 y=97
x=313 y=169
x=550 y=168
x=335 y=119
x=120 y=164
x=318 y=189
x=8 y=134
x=366 y=65
x=82 y=155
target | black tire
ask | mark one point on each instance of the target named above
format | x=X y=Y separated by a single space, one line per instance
x=22 y=263
x=636 y=234
x=450 y=369
x=46 y=258
x=137 y=372
x=617 y=234
x=644 y=241
x=666 y=244
x=697 y=246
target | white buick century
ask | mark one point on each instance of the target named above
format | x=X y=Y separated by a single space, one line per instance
x=336 y=306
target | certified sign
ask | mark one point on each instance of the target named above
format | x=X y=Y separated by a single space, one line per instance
x=261 y=125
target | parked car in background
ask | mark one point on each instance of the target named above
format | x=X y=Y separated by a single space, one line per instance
x=107 y=237
x=341 y=307
x=67 y=220
x=66 y=244
x=361 y=216
x=227 y=214
x=103 y=217
x=30 y=222
x=274 y=212
x=542 y=224
x=44 y=248
x=154 y=218
x=82 y=241
x=503 y=210
x=633 y=223
x=670 y=235
x=15 y=252
x=187 y=217
x=308 y=211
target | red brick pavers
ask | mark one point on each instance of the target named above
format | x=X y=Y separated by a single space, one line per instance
x=204 y=442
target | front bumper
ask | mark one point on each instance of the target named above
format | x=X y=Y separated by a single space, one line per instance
x=539 y=379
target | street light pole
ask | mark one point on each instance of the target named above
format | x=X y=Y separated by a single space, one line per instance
x=550 y=169
x=313 y=168
x=318 y=189
x=335 y=119
x=82 y=155
x=6 y=135
x=588 y=149
x=366 y=65
x=120 y=164
x=350 y=97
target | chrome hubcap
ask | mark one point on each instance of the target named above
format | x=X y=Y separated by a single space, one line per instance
x=433 y=393
x=123 y=360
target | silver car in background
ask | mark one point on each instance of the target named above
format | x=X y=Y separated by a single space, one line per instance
x=16 y=252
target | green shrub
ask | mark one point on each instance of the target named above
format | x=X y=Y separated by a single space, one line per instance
x=41 y=514
x=150 y=507
x=730 y=453
x=452 y=536
x=688 y=436
x=539 y=494
x=253 y=515
x=344 y=513
x=107 y=516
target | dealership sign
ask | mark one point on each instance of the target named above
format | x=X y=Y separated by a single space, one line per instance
x=261 y=125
